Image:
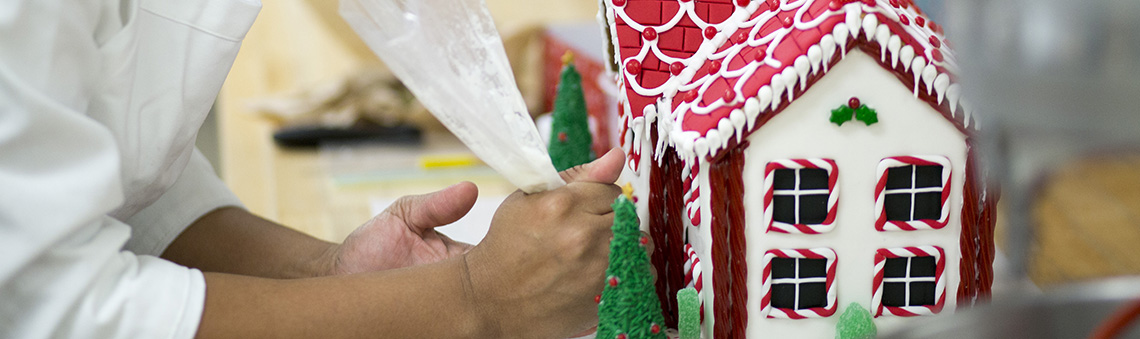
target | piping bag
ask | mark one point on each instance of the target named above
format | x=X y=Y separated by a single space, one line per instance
x=449 y=54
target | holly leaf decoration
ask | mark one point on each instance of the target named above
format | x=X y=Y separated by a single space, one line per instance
x=866 y=115
x=841 y=115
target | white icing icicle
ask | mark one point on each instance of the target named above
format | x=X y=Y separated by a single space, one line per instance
x=815 y=57
x=870 y=23
x=753 y=106
x=724 y=127
x=882 y=34
x=701 y=147
x=941 y=83
x=739 y=119
x=906 y=55
x=928 y=75
x=853 y=20
x=828 y=44
x=712 y=137
x=777 y=90
x=893 y=45
x=916 y=68
x=840 y=34
x=650 y=113
x=952 y=95
x=803 y=66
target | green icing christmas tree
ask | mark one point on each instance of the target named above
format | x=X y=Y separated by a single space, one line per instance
x=629 y=308
x=570 y=138
x=855 y=323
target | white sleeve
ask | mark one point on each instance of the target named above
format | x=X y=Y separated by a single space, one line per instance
x=196 y=192
x=62 y=271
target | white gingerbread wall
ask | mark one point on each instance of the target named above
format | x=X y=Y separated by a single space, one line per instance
x=907 y=126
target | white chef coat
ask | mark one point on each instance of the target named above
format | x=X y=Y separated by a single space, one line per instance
x=100 y=102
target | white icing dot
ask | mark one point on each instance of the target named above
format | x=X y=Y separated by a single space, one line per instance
x=906 y=55
x=815 y=56
x=941 y=83
x=870 y=23
x=893 y=45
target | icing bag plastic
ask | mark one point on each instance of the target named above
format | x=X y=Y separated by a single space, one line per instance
x=449 y=54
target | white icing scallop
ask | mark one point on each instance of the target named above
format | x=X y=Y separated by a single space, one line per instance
x=854 y=20
x=840 y=33
x=893 y=45
x=882 y=34
x=724 y=127
x=803 y=66
x=827 y=44
x=777 y=89
x=916 y=67
x=952 y=95
x=928 y=74
x=701 y=147
x=752 y=106
x=906 y=55
x=870 y=23
x=815 y=58
x=712 y=137
x=941 y=83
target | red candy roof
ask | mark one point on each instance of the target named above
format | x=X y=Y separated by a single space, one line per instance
x=715 y=66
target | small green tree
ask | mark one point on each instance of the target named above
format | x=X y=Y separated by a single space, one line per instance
x=629 y=308
x=855 y=323
x=570 y=139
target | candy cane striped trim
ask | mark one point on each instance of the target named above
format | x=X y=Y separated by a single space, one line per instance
x=692 y=194
x=694 y=277
x=881 y=257
x=882 y=224
x=766 y=286
x=832 y=198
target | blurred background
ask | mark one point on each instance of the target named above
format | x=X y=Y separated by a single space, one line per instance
x=350 y=138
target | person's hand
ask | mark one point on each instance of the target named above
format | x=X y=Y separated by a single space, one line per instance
x=404 y=234
x=544 y=259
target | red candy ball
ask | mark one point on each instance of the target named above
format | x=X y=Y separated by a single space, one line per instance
x=655 y=329
x=619 y=3
x=904 y=20
x=854 y=103
x=935 y=42
x=613 y=281
x=691 y=95
x=729 y=95
x=633 y=67
x=644 y=241
x=937 y=55
x=920 y=21
x=598 y=299
x=649 y=34
x=676 y=67
x=562 y=136
x=710 y=32
x=742 y=3
x=788 y=22
x=620 y=336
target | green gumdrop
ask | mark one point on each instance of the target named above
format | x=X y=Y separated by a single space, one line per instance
x=689 y=316
x=855 y=323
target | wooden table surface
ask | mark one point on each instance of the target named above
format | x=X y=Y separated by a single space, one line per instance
x=1087 y=216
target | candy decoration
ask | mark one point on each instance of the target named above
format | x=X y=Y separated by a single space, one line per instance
x=689 y=319
x=854 y=107
x=832 y=195
x=829 y=283
x=571 y=142
x=881 y=257
x=882 y=224
x=855 y=323
x=629 y=304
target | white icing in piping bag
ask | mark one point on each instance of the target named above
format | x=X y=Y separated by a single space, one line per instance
x=448 y=53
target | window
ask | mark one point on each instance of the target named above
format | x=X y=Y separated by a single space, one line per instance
x=800 y=195
x=912 y=193
x=909 y=281
x=799 y=283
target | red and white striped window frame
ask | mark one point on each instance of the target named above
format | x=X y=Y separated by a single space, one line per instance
x=769 y=194
x=881 y=257
x=829 y=284
x=881 y=223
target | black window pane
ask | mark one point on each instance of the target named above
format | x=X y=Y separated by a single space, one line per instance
x=897 y=206
x=922 y=267
x=895 y=268
x=813 y=178
x=785 y=179
x=894 y=294
x=928 y=176
x=899 y=177
x=784 y=208
x=921 y=293
x=813 y=268
x=783 y=268
x=813 y=208
x=784 y=296
x=813 y=295
x=927 y=205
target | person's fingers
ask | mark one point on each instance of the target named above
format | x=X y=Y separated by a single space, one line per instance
x=595 y=198
x=605 y=169
x=454 y=247
x=425 y=211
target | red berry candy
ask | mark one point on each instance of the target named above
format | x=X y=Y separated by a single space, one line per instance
x=598 y=299
x=904 y=20
x=644 y=241
x=854 y=103
x=920 y=21
x=739 y=36
x=691 y=95
x=562 y=136
x=869 y=2
x=760 y=53
x=649 y=34
x=935 y=42
x=742 y=3
x=655 y=329
x=619 y=3
x=710 y=32
x=676 y=67
x=895 y=3
x=773 y=4
x=714 y=66
x=633 y=67
x=613 y=281
x=729 y=95
x=937 y=55
x=788 y=22
x=620 y=336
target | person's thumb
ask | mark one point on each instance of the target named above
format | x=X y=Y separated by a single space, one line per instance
x=604 y=170
x=426 y=211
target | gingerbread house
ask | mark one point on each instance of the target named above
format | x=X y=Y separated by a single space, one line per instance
x=795 y=157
